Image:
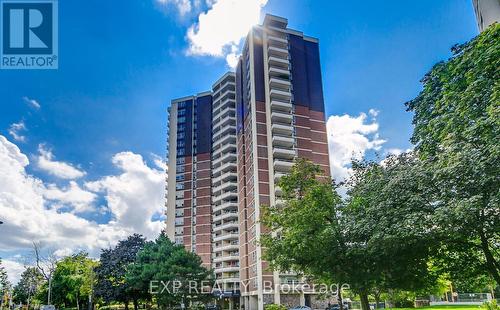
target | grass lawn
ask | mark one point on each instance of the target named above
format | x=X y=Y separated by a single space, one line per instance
x=446 y=307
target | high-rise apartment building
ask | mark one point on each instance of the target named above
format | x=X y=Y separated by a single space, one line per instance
x=225 y=243
x=280 y=116
x=228 y=148
x=189 y=201
x=202 y=202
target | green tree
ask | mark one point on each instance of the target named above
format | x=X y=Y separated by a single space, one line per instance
x=110 y=274
x=5 y=285
x=457 y=137
x=170 y=272
x=73 y=280
x=29 y=286
x=370 y=241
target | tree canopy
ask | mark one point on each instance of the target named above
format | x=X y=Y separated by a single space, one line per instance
x=457 y=137
x=110 y=274
x=73 y=280
x=171 y=271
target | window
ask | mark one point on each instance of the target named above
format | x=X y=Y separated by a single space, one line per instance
x=180 y=152
x=179 y=230
x=179 y=177
x=181 y=119
x=181 y=160
x=180 y=168
x=179 y=186
x=180 y=143
x=180 y=135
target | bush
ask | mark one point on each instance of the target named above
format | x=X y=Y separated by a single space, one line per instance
x=274 y=307
x=492 y=305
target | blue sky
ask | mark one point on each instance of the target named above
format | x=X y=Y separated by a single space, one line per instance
x=103 y=112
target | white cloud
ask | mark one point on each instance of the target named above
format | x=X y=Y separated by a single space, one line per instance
x=220 y=30
x=14 y=270
x=46 y=162
x=15 y=131
x=350 y=138
x=373 y=112
x=80 y=200
x=132 y=197
x=32 y=102
x=183 y=6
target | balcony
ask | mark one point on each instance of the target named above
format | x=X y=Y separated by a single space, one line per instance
x=278 y=62
x=223 y=111
x=225 y=196
x=277 y=41
x=277 y=51
x=224 y=187
x=228 y=157
x=230 y=138
x=282 y=129
x=279 y=94
x=224 y=122
x=279 y=73
x=224 y=149
x=226 y=226
x=218 y=171
x=283 y=165
x=277 y=105
x=227 y=236
x=227 y=269
x=277 y=82
x=278 y=175
x=227 y=85
x=284 y=153
x=232 y=246
x=230 y=205
x=283 y=141
x=225 y=216
x=226 y=177
x=282 y=117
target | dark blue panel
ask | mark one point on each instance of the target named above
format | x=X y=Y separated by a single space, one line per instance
x=258 y=54
x=239 y=97
x=306 y=74
x=189 y=127
x=203 y=124
x=299 y=71
x=316 y=102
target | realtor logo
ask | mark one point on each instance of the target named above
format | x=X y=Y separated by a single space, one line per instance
x=29 y=34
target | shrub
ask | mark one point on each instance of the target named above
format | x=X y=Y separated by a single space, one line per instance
x=492 y=305
x=274 y=307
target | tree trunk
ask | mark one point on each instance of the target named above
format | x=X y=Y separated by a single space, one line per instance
x=136 y=304
x=491 y=264
x=339 y=299
x=365 y=304
x=126 y=305
x=377 y=300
